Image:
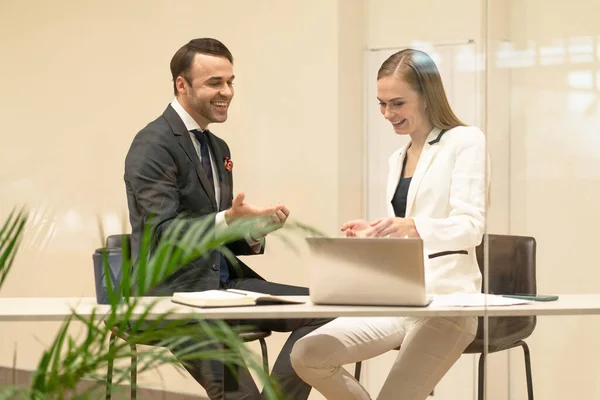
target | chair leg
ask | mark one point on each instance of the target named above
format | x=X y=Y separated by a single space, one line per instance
x=481 y=378
x=527 y=369
x=109 y=369
x=265 y=355
x=230 y=376
x=357 y=369
x=133 y=371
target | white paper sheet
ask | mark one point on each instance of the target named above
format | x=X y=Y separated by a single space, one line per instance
x=474 y=300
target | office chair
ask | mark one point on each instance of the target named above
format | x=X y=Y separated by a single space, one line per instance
x=113 y=249
x=512 y=270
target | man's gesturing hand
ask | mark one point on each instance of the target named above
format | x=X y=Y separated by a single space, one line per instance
x=275 y=216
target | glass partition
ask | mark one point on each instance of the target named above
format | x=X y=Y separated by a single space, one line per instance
x=543 y=114
x=525 y=72
x=458 y=51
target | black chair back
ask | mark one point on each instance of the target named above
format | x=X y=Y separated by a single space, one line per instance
x=511 y=264
x=114 y=254
x=118 y=241
x=511 y=270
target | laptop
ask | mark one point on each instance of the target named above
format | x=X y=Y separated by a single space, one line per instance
x=367 y=271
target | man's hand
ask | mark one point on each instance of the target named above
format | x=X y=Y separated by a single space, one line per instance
x=271 y=224
x=281 y=215
x=274 y=216
x=241 y=209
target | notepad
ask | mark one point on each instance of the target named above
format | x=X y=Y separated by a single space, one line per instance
x=231 y=298
x=474 y=300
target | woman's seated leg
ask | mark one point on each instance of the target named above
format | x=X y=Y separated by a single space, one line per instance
x=318 y=357
x=430 y=348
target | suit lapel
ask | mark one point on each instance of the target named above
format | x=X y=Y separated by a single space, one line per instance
x=427 y=155
x=183 y=136
x=186 y=143
x=395 y=170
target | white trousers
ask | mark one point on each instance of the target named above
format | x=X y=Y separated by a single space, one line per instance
x=428 y=348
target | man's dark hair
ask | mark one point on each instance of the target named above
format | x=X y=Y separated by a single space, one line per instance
x=184 y=57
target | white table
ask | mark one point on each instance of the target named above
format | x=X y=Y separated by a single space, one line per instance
x=57 y=309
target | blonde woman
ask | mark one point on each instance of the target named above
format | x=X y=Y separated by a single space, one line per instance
x=437 y=190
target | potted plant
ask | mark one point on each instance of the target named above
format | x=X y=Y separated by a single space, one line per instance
x=69 y=359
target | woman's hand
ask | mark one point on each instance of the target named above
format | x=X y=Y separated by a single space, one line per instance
x=351 y=228
x=394 y=227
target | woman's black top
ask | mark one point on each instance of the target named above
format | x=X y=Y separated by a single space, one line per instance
x=399 y=199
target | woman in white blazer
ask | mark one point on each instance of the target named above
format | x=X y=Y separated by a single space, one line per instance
x=437 y=190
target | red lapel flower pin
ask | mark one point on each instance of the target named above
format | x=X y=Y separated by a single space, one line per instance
x=228 y=164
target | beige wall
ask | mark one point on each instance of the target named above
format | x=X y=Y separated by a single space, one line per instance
x=82 y=79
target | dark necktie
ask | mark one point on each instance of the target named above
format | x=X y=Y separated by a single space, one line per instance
x=204 y=155
x=207 y=167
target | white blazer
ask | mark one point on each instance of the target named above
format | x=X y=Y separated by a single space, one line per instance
x=447 y=199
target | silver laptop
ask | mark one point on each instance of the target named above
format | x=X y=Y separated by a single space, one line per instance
x=367 y=271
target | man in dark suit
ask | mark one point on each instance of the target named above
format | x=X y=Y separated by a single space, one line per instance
x=176 y=167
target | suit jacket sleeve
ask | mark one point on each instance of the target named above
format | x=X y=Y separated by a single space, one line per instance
x=465 y=225
x=243 y=248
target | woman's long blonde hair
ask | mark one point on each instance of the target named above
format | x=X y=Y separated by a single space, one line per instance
x=423 y=76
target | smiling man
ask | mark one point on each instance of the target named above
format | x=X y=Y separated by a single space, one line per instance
x=176 y=167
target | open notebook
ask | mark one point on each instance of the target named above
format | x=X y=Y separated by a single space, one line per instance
x=231 y=298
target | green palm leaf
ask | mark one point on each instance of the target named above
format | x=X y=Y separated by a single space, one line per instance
x=69 y=360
